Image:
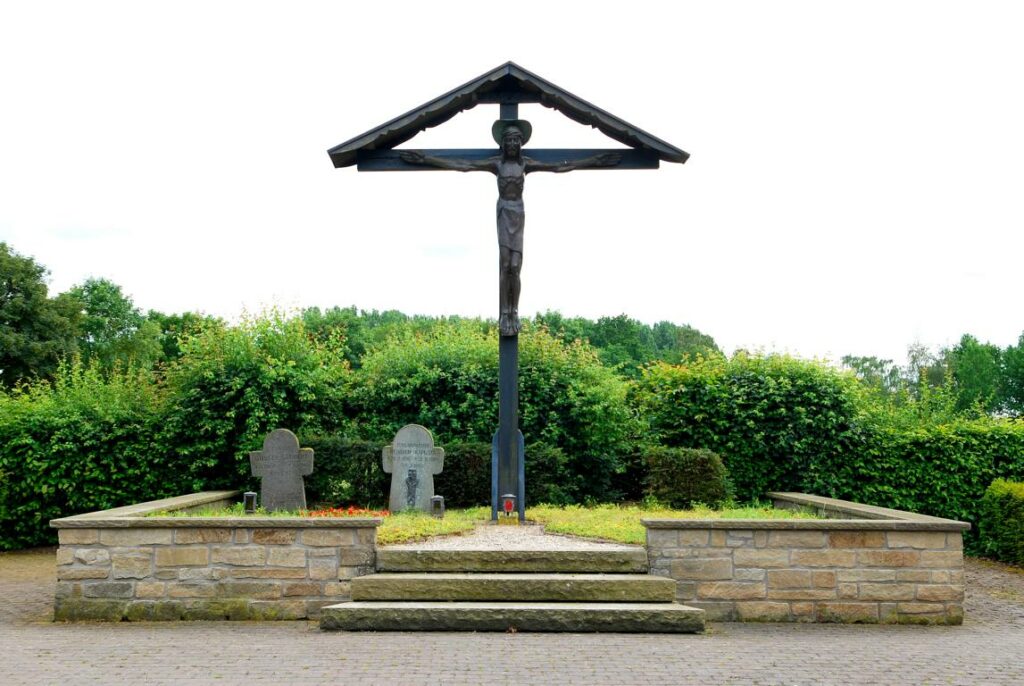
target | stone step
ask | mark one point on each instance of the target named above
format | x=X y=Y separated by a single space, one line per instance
x=614 y=561
x=466 y=616
x=607 y=588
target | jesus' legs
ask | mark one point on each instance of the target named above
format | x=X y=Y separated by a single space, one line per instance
x=509 y=287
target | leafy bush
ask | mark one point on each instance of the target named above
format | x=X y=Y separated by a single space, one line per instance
x=346 y=471
x=770 y=418
x=465 y=480
x=683 y=477
x=233 y=385
x=83 y=442
x=1001 y=522
x=447 y=379
x=940 y=470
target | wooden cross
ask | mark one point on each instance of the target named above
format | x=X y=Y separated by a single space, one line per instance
x=507 y=86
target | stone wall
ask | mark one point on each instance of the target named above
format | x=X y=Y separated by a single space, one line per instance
x=145 y=568
x=905 y=570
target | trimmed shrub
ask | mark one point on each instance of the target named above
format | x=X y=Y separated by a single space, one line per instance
x=447 y=380
x=346 y=471
x=683 y=477
x=1001 y=524
x=938 y=470
x=465 y=480
x=233 y=385
x=83 y=442
x=350 y=471
x=769 y=418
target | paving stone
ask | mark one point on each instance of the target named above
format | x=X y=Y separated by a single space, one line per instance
x=39 y=651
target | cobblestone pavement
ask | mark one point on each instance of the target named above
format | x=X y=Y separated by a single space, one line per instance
x=987 y=649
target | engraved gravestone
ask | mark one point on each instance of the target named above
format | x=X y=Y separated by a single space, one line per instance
x=412 y=461
x=280 y=466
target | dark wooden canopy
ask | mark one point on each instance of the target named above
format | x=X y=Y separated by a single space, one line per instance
x=508 y=84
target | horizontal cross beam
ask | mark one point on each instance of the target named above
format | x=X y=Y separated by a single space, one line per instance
x=389 y=160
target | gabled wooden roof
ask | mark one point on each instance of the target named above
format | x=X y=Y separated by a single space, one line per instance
x=509 y=83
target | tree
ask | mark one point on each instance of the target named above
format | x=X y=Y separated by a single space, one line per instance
x=675 y=344
x=881 y=376
x=36 y=331
x=174 y=327
x=113 y=330
x=976 y=369
x=1013 y=378
x=924 y=370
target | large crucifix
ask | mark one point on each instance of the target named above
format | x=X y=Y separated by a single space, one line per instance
x=507 y=86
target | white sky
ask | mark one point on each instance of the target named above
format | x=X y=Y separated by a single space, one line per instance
x=855 y=185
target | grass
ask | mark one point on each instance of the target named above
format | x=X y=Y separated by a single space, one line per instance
x=407 y=527
x=621 y=523
x=238 y=510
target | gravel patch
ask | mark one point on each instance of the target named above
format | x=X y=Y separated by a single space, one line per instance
x=504 y=537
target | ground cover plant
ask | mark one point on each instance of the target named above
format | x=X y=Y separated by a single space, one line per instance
x=238 y=510
x=411 y=525
x=621 y=523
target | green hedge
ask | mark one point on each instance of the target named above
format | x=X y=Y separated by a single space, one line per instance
x=683 y=477
x=83 y=443
x=233 y=385
x=1001 y=525
x=938 y=470
x=769 y=418
x=349 y=471
x=92 y=440
x=447 y=380
x=785 y=424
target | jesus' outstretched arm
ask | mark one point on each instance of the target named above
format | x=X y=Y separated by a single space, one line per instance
x=605 y=159
x=455 y=164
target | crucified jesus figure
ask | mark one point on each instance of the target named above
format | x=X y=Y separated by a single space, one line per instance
x=511 y=168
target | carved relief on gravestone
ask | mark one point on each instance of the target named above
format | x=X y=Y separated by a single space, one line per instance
x=280 y=466
x=412 y=461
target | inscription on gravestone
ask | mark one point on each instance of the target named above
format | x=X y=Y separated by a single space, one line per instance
x=412 y=461
x=280 y=466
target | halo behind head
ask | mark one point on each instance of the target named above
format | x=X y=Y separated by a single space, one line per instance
x=499 y=127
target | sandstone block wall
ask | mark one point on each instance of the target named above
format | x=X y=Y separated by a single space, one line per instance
x=121 y=564
x=814 y=576
x=208 y=572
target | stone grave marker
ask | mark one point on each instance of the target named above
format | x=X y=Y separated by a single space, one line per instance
x=280 y=466
x=412 y=461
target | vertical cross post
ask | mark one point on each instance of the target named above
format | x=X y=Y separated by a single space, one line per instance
x=510 y=456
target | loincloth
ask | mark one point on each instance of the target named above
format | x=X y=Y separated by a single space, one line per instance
x=511 y=219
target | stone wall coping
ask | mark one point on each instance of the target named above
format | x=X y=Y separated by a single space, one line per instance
x=864 y=518
x=181 y=502
x=860 y=511
x=217 y=523
x=806 y=524
x=134 y=517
